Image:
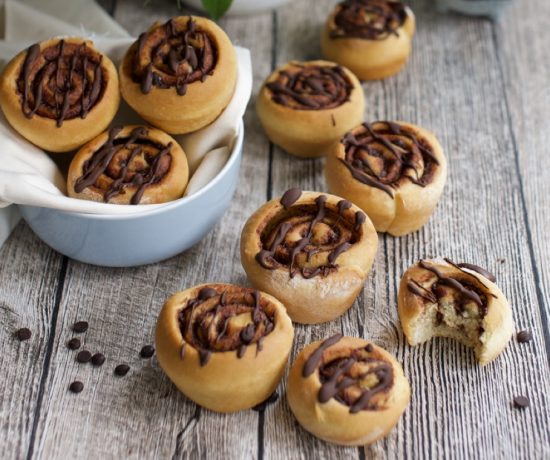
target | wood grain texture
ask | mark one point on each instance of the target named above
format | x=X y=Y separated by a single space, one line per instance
x=482 y=88
x=29 y=274
x=521 y=39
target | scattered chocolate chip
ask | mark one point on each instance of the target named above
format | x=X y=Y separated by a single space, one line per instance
x=524 y=336
x=501 y=261
x=262 y=406
x=73 y=344
x=369 y=348
x=23 y=334
x=521 y=402
x=98 y=359
x=147 y=351
x=76 y=386
x=80 y=326
x=83 y=356
x=122 y=369
x=290 y=197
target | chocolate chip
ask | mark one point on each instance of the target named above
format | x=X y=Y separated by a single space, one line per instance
x=147 y=351
x=23 y=334
x=369 y=348
x=122 y=369
x=73 y=344
x=290 y=197
x=98 y=359
x=76 y=386
x=80 y=326
x=83 y=356
x=521 y=402
x=524 y=336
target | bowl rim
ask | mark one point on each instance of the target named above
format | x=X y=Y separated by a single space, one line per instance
x=233 y=157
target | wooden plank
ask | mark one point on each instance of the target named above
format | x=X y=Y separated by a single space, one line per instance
x=143 y=415
x=29 y=275
x=458 y=409
x=524 y=58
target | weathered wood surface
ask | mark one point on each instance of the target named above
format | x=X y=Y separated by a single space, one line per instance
x=483 y=88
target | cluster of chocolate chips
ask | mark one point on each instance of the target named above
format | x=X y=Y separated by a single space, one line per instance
x=97 y=359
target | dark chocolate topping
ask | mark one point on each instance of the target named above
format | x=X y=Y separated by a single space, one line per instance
x=463 y=289
x=290 y=197
x=174 y=55
x=208 y=323
x=298 y=233
x=61 y=82
x=368 y=19
x=524 y=336
x=311 y=87
x=345 y=377
x=23 y=334
x=122 y=164
x=384 y=154
x=479 y=270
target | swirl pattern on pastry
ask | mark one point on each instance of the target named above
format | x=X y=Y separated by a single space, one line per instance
x=308 y=239
x=358 y=379
x=368 y=19
x=61 y=82
x=222 y=319
x=311 y=87
x=174 y=55
x=125 y=162
x=466 y=293
x=384 y=154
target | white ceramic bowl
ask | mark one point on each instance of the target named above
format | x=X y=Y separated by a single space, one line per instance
x=240 y=7
x=138 y=239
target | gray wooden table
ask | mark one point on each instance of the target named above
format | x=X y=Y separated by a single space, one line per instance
x=484 y=89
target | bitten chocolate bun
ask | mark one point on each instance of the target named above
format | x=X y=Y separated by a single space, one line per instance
x=347 y=391
x=372 y=38
x=440 y=298
x=305 y=107
x=129 y=165
x=394 y=171
x=312 y=251
x=224 y=346
x=60 y=93
x=179 y=76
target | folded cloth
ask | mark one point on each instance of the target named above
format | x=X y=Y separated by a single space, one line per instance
x=28 y=176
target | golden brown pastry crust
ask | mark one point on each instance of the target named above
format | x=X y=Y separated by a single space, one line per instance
x=237 y=370
x=375 y=48
x=129 y=165
x=351 y=415
x=397 y=187
x=341 y=244
x=318 y=114
x=430 y=307
x=75 y=113
x=195 y=93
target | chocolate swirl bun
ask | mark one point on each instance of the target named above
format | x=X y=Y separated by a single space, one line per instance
x=440 y=298
x=347 y=391
x=394 y=171
x=313 y=251
x=305 y=107
x=370 y=37
x=312 y=87
x=180 y=75
x=224 y=346
x=64 y=85
x=129 y=165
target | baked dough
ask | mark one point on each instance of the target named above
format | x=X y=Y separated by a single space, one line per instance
x=394 y=171
x=305 y=107
x=129 y=165
x=439 y=298
x=347 y=391
x=60 y=93
x=372 y=38
x=224 y=346
x=179 y=76
x=313 y=251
